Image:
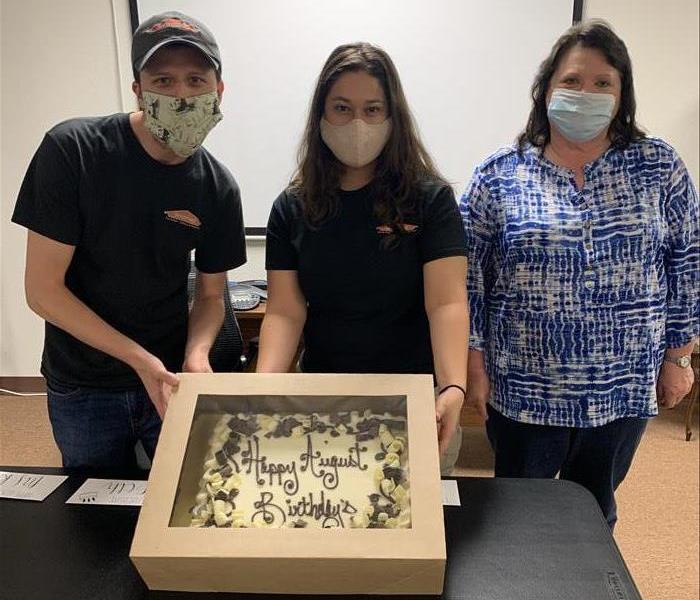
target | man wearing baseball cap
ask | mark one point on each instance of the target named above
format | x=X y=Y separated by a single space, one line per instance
x=114 y=206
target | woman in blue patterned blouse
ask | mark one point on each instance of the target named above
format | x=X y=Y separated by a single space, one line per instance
x=584 y=261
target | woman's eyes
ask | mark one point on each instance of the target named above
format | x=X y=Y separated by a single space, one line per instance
x=602 y=83
x=370 y=110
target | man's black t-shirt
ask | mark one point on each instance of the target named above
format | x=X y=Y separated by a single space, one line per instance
x=365 y=297
x=133 y=222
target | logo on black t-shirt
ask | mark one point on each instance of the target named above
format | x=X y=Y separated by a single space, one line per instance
x=388 y=229
x=184 y=217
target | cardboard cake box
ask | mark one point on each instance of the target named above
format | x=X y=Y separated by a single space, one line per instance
x=299 y=484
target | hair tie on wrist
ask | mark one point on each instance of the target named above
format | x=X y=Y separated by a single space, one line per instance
x=454 y=385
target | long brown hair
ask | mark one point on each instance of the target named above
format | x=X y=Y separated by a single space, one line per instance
x=599 y=35
x=402 y=165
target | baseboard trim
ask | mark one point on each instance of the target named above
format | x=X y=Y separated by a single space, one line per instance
x=23 y=384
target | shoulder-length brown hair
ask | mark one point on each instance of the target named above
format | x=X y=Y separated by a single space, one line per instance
x=589 y=34
x=403 y=163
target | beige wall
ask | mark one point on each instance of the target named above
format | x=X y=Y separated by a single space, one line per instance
x=56 y=64
x=69 y=65
x=2 y=248
x=662 y=39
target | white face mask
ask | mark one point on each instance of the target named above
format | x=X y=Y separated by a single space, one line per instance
x=181 y=123
x=356 y=143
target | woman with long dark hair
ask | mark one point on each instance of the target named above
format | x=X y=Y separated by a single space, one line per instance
x=365 y=249
x=584 y=272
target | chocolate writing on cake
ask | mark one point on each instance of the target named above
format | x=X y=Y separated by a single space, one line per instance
x=292 y=471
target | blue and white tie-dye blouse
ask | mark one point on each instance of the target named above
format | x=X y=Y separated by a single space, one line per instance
x=576 y=293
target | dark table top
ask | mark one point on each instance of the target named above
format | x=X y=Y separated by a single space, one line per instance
x=511 y=539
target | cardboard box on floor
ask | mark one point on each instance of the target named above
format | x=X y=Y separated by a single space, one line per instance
x=170 y=556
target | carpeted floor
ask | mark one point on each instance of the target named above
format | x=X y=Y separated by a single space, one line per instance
x=658 y=503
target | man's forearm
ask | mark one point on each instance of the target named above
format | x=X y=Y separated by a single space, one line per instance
x=205 y=322
x=60 y=307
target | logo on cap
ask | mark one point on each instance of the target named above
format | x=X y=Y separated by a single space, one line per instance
x=172 y=23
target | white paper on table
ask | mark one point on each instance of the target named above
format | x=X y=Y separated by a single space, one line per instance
x=450 y=493
x=121 y=492
x=28 y=486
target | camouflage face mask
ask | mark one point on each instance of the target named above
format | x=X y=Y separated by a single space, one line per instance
x=181 y=123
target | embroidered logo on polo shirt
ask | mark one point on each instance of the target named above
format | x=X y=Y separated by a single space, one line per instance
x=388 y=230
x=184 y=217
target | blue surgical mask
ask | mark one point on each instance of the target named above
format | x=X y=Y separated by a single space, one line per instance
x=580 y=116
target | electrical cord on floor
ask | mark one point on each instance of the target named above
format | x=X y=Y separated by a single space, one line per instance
x=13 y=393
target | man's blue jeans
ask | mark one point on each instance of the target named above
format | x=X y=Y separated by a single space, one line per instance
x=597 y=458
x=100 y=427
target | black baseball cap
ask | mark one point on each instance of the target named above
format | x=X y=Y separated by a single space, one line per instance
x=172 y=28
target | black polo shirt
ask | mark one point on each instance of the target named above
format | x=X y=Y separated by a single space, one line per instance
x=133 y=222
x=365 y=297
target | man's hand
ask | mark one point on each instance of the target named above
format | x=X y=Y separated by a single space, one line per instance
x=158 y=381
x=448 y=408
x=673 y=384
